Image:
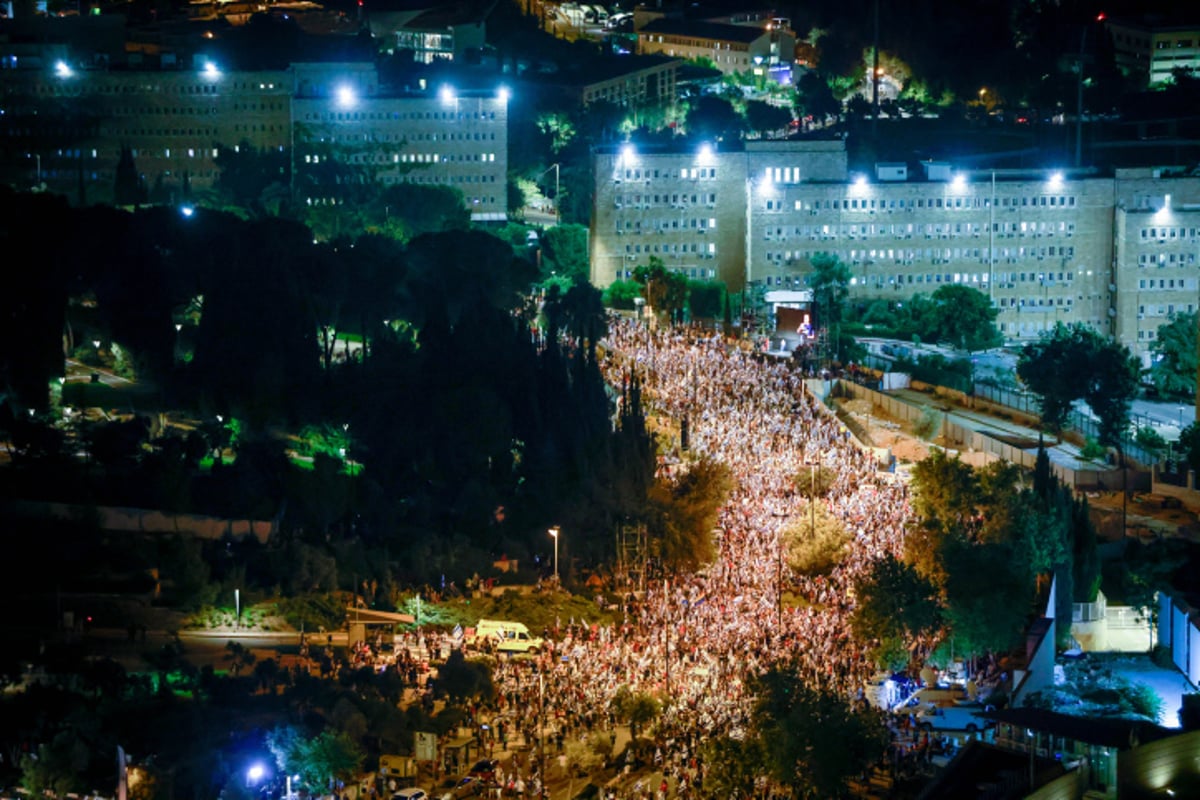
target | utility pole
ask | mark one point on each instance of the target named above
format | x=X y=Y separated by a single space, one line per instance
x=875 y=80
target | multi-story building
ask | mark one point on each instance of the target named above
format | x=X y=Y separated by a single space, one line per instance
x=1116 y=252
x=633 y=81
x=1150 y=50
x=433 y=31
x=66 y=127
x=433 y=135
x=732 y=47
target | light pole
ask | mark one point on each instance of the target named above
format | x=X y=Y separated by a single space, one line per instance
x=554 y=535
x=542 y=729
x=812 y=499
x=1079 y=94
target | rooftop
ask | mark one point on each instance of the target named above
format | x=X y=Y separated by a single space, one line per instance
x=704 y=30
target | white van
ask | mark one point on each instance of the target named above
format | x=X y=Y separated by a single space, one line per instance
x=506 y=637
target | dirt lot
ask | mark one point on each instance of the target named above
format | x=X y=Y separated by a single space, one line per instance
x=874 y=427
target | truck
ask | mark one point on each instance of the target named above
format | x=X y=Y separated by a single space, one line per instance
x=504 y=636
x=965 y=717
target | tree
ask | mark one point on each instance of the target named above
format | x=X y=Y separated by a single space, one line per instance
x=1173 y=367
x=704 y=299
x=565 y=252
x=639 y=709
x=684 y=512
x=665 y=291
x=1074 y=362
x=57 y=768
x=1146 y=570
x=815 y=482
x=128 y=189
x=1112 y=384
x=239 y=657
x=816 y=541
x=812 y=740
x=767 y=119
x=815 y=99
x=461 y=680
x=733 y=767
x=987 y=602
x=830 y=282
x=896 y=607
x=321 y=762
x=965 y=317
x=252 y=181
x=622 y=294
x=1189 y=445
x=713 y=118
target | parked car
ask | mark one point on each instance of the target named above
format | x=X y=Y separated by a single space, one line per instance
x=411 y=793
x=484 y=769
x=468 y=787
x=937 y=696
x=964 y=717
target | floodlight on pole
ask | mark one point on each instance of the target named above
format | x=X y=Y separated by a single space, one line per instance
x=554 y=535
x=346 y=96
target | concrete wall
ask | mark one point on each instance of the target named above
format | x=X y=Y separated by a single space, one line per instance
x=1149 y=770
x=1178 y=630
x=139 y=520
x=967 y=438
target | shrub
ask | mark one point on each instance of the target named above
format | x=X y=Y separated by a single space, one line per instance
x=929 y=425
x=1093 y=450
x=1145 y=701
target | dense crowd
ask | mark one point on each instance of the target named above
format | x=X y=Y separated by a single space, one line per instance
x=694 y=639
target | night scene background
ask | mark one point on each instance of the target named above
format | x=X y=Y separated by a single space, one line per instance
x=520 y=399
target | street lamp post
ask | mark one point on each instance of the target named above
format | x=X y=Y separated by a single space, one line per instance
x=812 y=499
x=542 y=730
x=554 y=535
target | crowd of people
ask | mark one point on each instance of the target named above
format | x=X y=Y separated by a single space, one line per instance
x=694 y=639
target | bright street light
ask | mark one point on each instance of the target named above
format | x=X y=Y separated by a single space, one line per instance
x=63 y=70
x=346 y=96
x=554 y=535
x=255 y=773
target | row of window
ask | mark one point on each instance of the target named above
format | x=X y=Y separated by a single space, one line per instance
x=1164 y=309
x=1166 y=259
x=932 y=230
x=709 y=248
x=684 y=41
x=871 y=204
x=702 y=273
x=1004 y=255
x=368 y=116
x=1039 y=304
x=635 y=225
x=1167 y=283
x=1167 y=233
x=433 y=179
x=378 y=137
x=205 y=132
x=684 y=173
x=651 y=200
